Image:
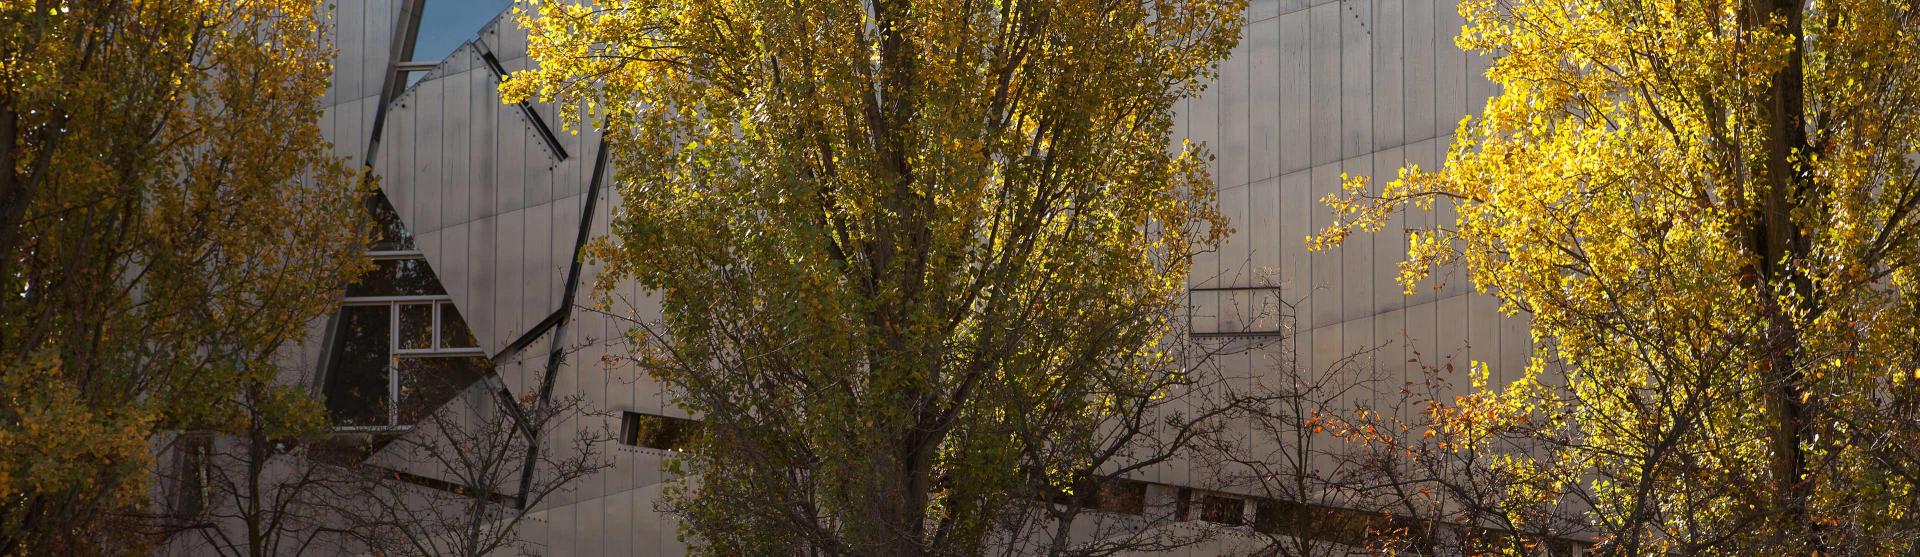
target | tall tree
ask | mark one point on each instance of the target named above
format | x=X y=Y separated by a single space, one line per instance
x=904 y=247
x=169 y=216
x=1711 y=210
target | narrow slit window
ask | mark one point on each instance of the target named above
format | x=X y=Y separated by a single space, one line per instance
x=192 y=465
x=1121 y=496
x=653 y=431
x=1220 y=509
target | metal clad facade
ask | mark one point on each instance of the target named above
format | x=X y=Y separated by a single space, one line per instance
x=1317 y=88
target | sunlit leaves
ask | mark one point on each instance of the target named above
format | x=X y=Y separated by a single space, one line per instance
x=1613 y=191
x=909 y=252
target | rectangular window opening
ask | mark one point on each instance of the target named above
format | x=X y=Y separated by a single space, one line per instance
x=1221 y=509
x=654 y=431
x=1121 y=496
x=193 y=461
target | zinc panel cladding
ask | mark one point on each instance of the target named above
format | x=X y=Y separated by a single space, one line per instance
x=1231 y=92
x=1356 y=77
x=1360 y=87
x=455 y=156
x=1417 y=67
x=1323 y=77
x=1389 y=101
x=1316 y=88
x=1391 y=246
x=1261 y=45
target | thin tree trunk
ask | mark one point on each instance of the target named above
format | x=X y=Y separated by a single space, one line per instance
x=1781 y=247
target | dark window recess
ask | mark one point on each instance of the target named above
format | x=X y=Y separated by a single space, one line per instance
x=1107 y=495
x=389 y=234
x=454 y=332
x=357 y=377
x=1220 y=509
x=426 y=384
x=657 y=432
x=1278 y=517
x=193 y=454
x=397 y=277
x=1121 y=496
x=349 y=448
x=1315 y=522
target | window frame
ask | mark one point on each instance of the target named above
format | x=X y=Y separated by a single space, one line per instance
x=629 y=430
x=439 y=303
x=395 y=353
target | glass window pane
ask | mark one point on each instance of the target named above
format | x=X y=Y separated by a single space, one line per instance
x=356 y=388
x=398 y=277
x=427 y=383
x=389 y=234
x=453 y=329
x=416 y=327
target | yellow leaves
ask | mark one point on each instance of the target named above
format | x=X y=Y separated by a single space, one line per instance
x=1611 y=191
x=60 y=444
x=773 y=188
x=201 y=222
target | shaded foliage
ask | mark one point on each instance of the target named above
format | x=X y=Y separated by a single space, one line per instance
x=169 y=217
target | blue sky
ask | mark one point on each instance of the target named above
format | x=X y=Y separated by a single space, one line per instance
x=447 y=23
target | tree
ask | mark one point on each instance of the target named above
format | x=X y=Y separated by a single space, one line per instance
x=1708 y=209
x=169 y=217
x=256 y=491
x=1323 y=492
x=466 y=498
x=899 y=245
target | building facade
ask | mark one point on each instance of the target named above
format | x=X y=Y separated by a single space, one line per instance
x=484 y=208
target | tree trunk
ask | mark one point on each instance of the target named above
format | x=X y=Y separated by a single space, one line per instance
x=1781 y=248
x=894 y=507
